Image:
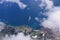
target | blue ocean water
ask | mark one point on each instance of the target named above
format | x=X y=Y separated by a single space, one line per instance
x=15 y=16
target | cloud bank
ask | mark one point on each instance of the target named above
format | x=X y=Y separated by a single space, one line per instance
x=53 y=16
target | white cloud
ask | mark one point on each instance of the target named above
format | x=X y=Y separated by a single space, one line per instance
x=20 y=36
x=29 y=18
x=21 y=5
x=47 y=3
x=37 y=19
x=53 y=19
x=2 y=25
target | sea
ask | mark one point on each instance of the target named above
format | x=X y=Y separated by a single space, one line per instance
x=12 y=14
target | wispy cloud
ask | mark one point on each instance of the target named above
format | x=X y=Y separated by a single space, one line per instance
x=47 y=3
x=20 y=4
